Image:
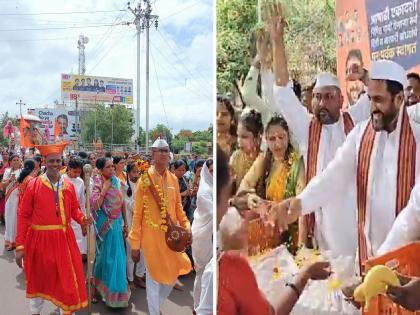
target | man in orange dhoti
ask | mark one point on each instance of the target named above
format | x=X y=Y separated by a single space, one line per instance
x=163 y=266
x=53 y=264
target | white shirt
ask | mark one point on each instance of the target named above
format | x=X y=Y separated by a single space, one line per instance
x=330 y=222
x=339 y=180
x=129 y=203
x=79 y=187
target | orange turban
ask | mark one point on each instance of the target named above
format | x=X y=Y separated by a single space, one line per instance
x=48 y=149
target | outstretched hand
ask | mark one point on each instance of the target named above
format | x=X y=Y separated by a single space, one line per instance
x=408 y=295
x=277 y=22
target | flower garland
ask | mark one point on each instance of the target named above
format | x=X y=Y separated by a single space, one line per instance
x=143 y=167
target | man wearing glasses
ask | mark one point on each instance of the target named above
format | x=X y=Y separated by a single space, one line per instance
x=163 y=266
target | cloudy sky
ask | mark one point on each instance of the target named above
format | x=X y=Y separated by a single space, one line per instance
x=35 y=48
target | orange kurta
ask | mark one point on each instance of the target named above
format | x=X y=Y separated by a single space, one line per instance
x=53 y=264
x=163 y=264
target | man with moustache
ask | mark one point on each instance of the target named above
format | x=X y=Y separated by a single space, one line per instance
x=45 y=239
x=318 y=137
x=377 y=164
x=413 y=89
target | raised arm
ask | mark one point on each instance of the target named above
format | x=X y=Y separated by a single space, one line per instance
x=406 y=227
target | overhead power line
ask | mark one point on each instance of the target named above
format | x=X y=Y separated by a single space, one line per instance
x=63 y=28
x=60 y=13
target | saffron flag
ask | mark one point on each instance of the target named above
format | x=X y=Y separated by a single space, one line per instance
x=26 y=135
x=56 y=130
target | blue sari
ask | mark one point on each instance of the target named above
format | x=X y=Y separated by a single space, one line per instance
x=109 y=272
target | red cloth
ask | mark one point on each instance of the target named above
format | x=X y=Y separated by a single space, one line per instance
x=53 y=264
x=238 y=290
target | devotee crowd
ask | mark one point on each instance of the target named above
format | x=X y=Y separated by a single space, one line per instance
x=305 y=170
x=62 y=208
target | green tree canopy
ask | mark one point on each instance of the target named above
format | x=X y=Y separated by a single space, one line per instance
x=309 y=38
x=106 y=119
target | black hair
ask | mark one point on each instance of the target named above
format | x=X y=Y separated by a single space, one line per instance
x=276 y=120
x=89 y=154
x=223 y=173
x=28 y=167
x=130 y=167
x=198 y=164
x=108 y=154
x=228 y=103
x=12 y=156
x=393 y=87
x=37 y=158
x=101 y=162
x=209 y=163
x=117 y=159
x=413 y=75
x=355 y=53
x=64 y=117
x=179 y=163
x=252 y=121
x=83 y=155
x=297 y=88
x=75 y=162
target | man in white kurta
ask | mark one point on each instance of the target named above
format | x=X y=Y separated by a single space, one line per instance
x=133 y=176
x=202 y=231
x=406 y=227
x=75 y=167
x=339 y=180
x=329 y=232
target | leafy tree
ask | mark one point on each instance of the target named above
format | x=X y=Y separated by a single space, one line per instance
x=118 y=119
x=309 y=38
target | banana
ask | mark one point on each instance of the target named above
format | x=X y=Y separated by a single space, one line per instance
x=376 y=282
x=359 y=293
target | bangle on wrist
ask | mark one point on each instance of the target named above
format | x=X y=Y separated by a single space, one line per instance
x=294 y=288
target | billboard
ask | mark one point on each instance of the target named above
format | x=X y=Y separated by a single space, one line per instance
x=66 y=122
x=375 y=29
x=91 y=89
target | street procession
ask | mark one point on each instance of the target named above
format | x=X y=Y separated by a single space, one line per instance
x=317 y=123
x=106 y=192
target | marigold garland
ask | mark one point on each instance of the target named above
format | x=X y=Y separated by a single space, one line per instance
x=143 y=167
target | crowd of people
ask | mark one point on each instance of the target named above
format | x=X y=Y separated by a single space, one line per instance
x=45 y=197
x=307 y=170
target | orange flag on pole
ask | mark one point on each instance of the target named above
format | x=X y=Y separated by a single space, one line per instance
x=25 y=137
x=56 y=130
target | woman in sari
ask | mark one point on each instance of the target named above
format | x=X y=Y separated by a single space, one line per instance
x=12 y=198
x=107 y=201
x=250 y=130
x=3 y=166
x=276 y=174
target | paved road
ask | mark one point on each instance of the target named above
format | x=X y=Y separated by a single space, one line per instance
x=13 y=301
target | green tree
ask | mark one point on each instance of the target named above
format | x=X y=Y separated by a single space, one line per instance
x=309 y=38
x=112 y=125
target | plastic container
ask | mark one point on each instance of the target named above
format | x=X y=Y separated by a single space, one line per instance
x=405 y=260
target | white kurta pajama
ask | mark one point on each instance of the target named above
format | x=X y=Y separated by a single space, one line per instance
x=140 y=267
x=335 y=225
x=11 y=206
x=339 y=181
x=202 y=233
x=79 y=187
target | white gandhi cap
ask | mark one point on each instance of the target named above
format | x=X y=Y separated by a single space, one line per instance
x=160 y=143
x=326 y=79
x=388 y=70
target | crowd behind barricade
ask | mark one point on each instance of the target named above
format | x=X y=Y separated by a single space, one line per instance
x=129 y=227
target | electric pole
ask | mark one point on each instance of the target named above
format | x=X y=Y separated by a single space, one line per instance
x=144 y=19
x=20 y=106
